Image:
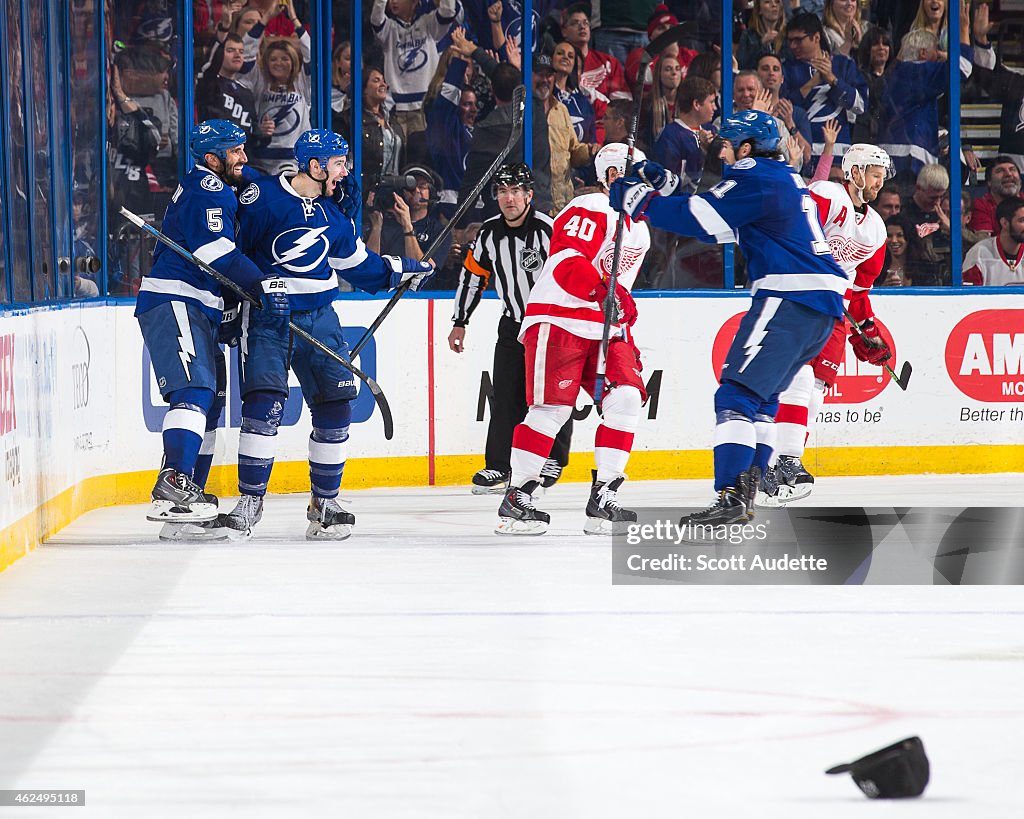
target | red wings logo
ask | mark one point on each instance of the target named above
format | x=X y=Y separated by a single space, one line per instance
x=848 y=250
x=629 y=257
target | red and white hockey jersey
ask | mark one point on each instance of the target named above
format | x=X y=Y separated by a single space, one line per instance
x=857 y=241
x=986 y=264
x=583 y=243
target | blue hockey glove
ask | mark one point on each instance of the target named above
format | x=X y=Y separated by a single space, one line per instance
x=408 y=270
x=347 y=195
x=230 y=330
x=631 y=196
x=274 y=295
x=661 y=179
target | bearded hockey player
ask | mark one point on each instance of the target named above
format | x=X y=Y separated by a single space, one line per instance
x=561 y=331
x=179 y=309
x=796 y=290
x=856 y=236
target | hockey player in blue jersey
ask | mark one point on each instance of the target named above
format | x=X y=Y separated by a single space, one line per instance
x=179 y=309
x=796 y=286
x=296 y=228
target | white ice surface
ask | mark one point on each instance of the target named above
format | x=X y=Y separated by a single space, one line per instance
x=426 y=668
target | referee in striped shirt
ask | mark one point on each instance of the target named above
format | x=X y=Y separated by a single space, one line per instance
x=511 y=248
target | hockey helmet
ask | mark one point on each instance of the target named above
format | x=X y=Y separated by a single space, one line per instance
x=757 y=126
x=319 y=144
x=862 y=155
x=613 y=155
x=214 y=136
x=515 y=174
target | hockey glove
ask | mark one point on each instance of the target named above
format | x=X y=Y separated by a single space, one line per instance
x=625 y=307
x=274 y=295
x=631 y=196
x=661 y=179
x=347 y=195
x=870 y=346
x=408 y=270
x=230 y=330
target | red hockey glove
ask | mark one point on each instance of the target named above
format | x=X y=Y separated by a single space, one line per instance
x=870 y=346
x=625 y=306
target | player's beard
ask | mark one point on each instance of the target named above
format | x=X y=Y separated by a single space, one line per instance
x=1016 y=238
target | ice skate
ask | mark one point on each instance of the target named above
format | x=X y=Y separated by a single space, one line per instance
x=550 y=473
x=178 y=499
x=490 y=482
x=209 y=531
x=327 y=520
x=730 y=506
x=518 y=516
x=768 y=493
x=795 y=482
x=604 y=515
x=246 y=514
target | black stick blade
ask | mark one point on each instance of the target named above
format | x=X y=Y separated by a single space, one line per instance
x=518 y=106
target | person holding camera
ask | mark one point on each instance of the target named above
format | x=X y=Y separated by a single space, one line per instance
x=403 y=215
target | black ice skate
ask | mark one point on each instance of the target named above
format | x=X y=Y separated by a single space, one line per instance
x=327 y=520
x=729 y=507
x=795 y=482
x=490 y=482
x=550 y=473
x=734 y=504
x=768 y=492
x=604 y=515
x=518 y=516
x=177 y=498
x=246 y=514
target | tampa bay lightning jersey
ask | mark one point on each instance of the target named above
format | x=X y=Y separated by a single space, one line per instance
x=307 y=242
x=200 y=218
x=764 y=206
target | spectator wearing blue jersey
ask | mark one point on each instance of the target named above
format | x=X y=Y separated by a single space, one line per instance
x=299 y=231
x=451 y=114
x=180 y=308
x=797 y=288
x=680 y=148
x=824 y=85
x=910 y=107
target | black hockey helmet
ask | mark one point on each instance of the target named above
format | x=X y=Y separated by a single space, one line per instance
x=515 y=174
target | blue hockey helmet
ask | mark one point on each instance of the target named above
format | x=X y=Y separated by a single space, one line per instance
x=753 y=125
x=319 y=144
x=214 y=136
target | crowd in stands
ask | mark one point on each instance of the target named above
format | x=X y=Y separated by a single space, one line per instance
x=436 y=81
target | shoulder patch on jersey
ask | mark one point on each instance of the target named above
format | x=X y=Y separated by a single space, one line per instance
x=743 y=164
x=249 y=195
x=211 y=183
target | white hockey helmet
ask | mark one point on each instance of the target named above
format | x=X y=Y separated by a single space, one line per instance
x=861 y=155
x=613 y=155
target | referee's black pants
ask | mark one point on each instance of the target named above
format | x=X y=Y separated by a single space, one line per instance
x=508 y=407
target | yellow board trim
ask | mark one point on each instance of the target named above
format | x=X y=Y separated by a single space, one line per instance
x=450 y=470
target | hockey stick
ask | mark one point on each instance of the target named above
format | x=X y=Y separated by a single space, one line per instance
x=518 y=107
x=905 y=371
x=224 y=281
x=651 y=50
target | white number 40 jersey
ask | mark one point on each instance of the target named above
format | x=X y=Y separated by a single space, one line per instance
x=857 y=240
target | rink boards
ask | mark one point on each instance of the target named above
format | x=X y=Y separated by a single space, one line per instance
x=80 y=411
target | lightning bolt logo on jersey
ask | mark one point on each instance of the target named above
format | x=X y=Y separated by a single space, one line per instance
x=307 y=241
